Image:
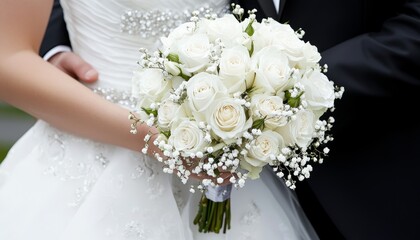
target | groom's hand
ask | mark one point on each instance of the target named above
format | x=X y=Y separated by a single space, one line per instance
x=74 y=66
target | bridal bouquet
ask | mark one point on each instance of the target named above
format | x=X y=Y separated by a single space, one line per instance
x=230 y=95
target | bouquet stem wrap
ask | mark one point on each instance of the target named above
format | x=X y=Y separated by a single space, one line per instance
x=214 y=209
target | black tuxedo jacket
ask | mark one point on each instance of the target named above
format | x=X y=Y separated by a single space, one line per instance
x=56 y=33
x=368 y=186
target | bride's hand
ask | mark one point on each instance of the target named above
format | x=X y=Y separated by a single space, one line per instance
x=224 y=174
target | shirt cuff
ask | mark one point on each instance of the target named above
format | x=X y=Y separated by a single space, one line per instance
x=55 y=50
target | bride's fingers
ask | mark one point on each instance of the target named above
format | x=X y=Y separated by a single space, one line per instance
x=225 y=175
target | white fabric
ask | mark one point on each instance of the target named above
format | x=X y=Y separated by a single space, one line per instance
x=56 y=186
x=55 y=50
x=277 y=5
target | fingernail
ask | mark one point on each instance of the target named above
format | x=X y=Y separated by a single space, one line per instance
x=91 y=74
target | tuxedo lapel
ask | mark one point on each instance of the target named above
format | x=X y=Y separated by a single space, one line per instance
x=281 y=8
x=268 y=7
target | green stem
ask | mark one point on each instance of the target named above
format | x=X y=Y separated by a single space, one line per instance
x=209 y=225
x=219 y=217
x=212 y=216
x=204 y=202
x=200 y=212
x=227 y=216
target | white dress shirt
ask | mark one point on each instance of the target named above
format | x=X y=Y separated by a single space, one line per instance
x=277 y=5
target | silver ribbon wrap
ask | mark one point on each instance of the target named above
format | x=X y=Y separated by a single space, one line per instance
x=218 y=193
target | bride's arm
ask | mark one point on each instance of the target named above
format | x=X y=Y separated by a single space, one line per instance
x=35 y=86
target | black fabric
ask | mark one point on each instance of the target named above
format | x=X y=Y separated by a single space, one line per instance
x=368 y=188
x=56 y=33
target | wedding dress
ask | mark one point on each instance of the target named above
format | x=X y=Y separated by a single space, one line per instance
x=57 y=186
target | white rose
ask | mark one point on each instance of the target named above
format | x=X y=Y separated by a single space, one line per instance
x=178 y=33
x=299 y=131
x=272 y=70
x=311 y=56
x=245 y=41
x=149 y=86
x=194 y=51
x=265 y=146
x=172 y=67
x=235 y=68
x=227 y=28
x=282 y=35
x=293 y=47
x=269 y=107
x=168 y=112
x=202 y=90
x=319 y=91
x=186 y=137
x=176 y=81
x=270 y=33
x=227 y=119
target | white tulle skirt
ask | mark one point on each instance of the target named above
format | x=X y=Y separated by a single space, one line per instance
x=56 y=186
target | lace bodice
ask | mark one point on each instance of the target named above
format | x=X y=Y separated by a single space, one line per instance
x=109 y=33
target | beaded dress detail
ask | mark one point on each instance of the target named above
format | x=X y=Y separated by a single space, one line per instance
x=57 y=186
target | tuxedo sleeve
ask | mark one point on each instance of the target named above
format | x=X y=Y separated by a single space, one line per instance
x=380 y=64
x=56 y=33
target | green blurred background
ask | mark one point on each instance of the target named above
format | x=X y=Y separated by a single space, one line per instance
x=13 y=124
